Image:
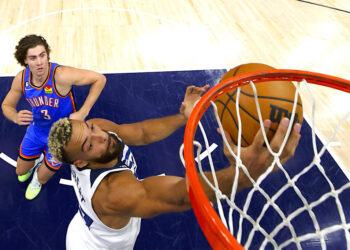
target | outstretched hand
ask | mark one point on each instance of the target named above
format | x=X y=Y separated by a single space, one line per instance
x=257 y=157
x=192 y=94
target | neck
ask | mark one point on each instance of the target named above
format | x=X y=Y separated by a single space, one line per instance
x=110 y=164
x=39 y=79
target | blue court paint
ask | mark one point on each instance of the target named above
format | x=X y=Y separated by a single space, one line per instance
x=132 y=97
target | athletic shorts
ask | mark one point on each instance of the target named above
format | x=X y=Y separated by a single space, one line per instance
x=34 y=144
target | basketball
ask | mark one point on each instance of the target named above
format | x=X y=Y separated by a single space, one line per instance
x=276 y=99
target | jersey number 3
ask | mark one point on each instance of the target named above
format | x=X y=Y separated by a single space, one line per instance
x=45 y=112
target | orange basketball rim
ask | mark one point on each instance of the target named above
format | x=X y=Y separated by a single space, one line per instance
x=217 y=234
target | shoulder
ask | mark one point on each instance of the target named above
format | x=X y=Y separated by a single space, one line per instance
x=66 y=76
x=17 y=80
x=19 y=75
x=113 y=196
x=62 y=71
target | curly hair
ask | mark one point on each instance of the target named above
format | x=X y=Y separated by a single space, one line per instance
x=60 y=134
x=28 y=42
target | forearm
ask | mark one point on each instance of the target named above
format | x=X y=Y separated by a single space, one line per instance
x=9 y=112
x=94 y=93
x=156 y=195
x=164 y=194
x=158 y=129
x=172 y=190
x=225 y=179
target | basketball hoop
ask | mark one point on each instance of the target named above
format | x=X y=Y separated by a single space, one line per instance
x=214 y=227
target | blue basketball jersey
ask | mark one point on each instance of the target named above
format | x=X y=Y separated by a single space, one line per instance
x=48 y=105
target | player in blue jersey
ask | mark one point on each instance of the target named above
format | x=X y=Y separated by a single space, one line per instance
x=111 y=198
x=48 y=88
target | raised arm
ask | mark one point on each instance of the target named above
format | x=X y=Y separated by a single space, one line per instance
x=145 y=132
x=120 y=194
x=152 y=130
x=67 y=76
x=8 y=106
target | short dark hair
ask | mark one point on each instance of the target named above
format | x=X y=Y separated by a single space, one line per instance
x=28 y=42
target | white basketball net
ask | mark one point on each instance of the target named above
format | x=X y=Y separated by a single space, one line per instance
x=320 y=233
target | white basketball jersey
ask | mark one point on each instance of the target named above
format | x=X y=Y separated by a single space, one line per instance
x=86 y=229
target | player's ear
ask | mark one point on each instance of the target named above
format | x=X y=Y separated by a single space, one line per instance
x=80 y=163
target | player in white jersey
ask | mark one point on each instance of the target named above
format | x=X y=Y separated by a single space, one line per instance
x=97 y=235
x=112 y=199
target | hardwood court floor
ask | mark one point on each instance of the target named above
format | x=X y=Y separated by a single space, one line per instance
x=132 y=36
x=112 y=36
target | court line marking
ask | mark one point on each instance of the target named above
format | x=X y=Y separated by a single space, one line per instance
x=95 y=8
x=325 y=6
x=162 y=174
x=8 y=159
x=13 y=163
x=66 y=182
x=150 y=71
x=330 y=149
x=84 y=9
x=212 y=147
x=70 y=182
x=201 y=157
x=206 y=152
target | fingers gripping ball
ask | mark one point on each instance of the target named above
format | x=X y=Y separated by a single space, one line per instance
x=276 y=99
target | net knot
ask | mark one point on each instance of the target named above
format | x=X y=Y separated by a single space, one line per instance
x=239 y=162
x=219 y=194
x=317 y=160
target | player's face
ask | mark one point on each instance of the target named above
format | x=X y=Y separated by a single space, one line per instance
x=37 y=60
x=89 y=143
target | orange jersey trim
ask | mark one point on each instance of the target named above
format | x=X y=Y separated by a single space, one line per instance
x=54 y=84
x=26 y=157
x=73 y=102
x=23 y=75
x=50 y=166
